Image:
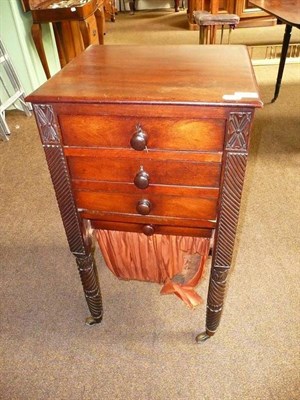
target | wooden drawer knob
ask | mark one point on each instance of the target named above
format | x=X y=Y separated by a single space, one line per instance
x=148 y=230
x=139 y=139
x=141 y=179
x=143 y=207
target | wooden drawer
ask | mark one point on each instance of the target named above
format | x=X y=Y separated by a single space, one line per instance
x=165 y=206
x=156 y=190
x=172 y=222
x=160 y=172
x=163 y=133
x=150 y=229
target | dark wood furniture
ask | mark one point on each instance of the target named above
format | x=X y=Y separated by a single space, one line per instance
x=75 y=26
x=188 y=126
x=249 y=15
x=288 y=12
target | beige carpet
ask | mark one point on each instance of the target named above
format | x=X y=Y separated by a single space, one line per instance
x=145 y=349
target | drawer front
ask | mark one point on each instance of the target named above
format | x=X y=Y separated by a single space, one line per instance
x=159 y=172
x=162 y=133
x=150 y=229
x=140 y=204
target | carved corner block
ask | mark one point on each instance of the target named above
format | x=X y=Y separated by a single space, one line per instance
x=58 y=168
x=47 y=124
x=238 y=131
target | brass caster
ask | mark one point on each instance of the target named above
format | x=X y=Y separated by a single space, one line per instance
x=202 y=337
x=92 y=321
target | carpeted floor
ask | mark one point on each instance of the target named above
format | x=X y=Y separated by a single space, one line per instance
x=144 y=349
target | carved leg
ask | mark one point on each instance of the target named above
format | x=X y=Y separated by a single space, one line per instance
x=77 y=231
x=36 y=32
x=89 y=279
x=215 y=300
x=236 y=147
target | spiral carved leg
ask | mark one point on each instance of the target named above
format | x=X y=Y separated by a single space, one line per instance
x=89 y=279
x=215 y=300
x=235 y=160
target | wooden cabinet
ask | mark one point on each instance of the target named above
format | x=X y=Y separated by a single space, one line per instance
x=249 y=14
x=245 y=9
x=159 y=150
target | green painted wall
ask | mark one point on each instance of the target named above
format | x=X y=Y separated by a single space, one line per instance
x=15 y=33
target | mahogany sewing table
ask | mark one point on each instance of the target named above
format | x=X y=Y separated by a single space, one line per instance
x=176 y=110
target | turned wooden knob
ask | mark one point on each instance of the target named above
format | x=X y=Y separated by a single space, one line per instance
x=143 y=207
x=139 y=139
x=148 y=230
x=141 y=179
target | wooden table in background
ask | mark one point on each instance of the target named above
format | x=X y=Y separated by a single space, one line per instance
x=288 y=12
x=75 y=28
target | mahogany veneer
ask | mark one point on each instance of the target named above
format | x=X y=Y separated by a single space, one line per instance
x=136 y=144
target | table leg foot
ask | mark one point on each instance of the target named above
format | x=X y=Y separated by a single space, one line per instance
x=274 y=99
x=92 y=321
x=202 y=337
x=284 y=51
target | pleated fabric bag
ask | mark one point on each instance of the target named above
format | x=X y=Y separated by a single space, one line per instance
x=176 y=262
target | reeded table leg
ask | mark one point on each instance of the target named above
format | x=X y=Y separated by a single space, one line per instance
x=215 y=301
x=89 y=279
x=236 y=152
x=77 y=230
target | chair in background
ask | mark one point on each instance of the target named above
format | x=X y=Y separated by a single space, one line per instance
x=209 y=21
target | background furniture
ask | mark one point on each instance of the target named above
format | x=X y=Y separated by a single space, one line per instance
x=209 y=22
x=76 y=25
x=249 y=15
x=288 y=12
x=110 y=10
x=187 y=126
